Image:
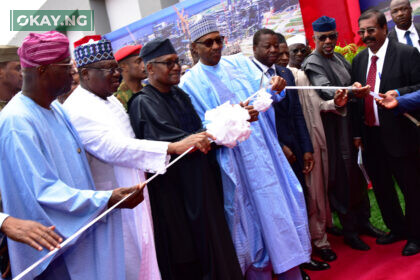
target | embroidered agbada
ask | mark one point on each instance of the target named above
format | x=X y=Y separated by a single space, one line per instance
x=264 y=203
x=45 y=177
x=115 y=158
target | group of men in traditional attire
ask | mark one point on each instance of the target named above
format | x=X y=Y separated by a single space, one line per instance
x=251 y=211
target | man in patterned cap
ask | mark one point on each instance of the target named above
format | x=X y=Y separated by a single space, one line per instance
x=45 y=176
x=346 y=186
x=10 y=75
x=191 y=233
x=133 y=72
x=264 y=203
x=115 y=157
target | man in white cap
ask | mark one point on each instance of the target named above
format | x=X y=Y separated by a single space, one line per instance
x=264 y=202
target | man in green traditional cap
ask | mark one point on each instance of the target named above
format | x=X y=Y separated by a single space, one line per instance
x=10 y=75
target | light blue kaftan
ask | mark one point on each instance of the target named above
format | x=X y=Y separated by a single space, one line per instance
x=264 y=203
x=45 y=177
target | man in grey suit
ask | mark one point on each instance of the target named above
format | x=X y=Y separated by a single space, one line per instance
x=405 y=31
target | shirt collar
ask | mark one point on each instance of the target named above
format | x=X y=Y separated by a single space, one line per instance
x=402 y=32
x=381 y=52
x=264 y=67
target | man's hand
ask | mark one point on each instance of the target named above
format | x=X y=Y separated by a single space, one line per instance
x=252 y=112
x=200 y=141
x=32 y=233
x=278 y=83
x=131 y=202
x=308 y=163
x=389 y=100
x=359 y=91
x=289 y=154
x=340 y=98
x=358 y=143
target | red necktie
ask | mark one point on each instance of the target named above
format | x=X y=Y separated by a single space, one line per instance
x=371 y=78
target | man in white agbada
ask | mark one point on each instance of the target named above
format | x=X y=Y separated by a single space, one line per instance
x=115 y=157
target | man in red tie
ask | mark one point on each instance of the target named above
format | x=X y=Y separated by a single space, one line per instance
x=390 y=142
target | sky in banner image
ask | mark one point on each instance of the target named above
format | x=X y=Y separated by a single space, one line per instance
x=238 y=21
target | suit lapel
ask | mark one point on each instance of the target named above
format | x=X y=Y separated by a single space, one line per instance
x=285 y=102
x=364 y=64
x=388 y=62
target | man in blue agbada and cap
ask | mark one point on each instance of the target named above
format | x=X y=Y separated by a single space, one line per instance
x=263 y=199
x=346 y=186
x=191 y=234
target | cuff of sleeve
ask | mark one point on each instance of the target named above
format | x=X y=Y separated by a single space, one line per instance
x=398 y=92
x=159 y=160
x=3 y=217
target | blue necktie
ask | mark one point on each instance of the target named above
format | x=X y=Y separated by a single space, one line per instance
x=407 y=37
x=270 y=72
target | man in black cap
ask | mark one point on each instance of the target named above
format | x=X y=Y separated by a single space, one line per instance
x=347 y=190
x=191 y=234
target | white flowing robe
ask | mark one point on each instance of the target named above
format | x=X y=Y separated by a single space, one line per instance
x=116 y=158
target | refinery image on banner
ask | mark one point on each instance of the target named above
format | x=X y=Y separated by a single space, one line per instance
x=238 y=20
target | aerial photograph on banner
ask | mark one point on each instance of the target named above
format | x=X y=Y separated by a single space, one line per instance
x=238 y=21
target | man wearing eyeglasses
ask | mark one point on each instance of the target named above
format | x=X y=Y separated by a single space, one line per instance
x=191 y=233
x=45 y=176
x=406 y=31
x=346 y=187
x=262 y=196
x=390 y=141
x=116 y=158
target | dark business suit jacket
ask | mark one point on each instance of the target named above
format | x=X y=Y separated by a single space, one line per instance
x=401 y=71
x=393 y=34
x=290 y=122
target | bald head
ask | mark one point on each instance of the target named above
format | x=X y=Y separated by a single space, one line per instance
x=401 y=13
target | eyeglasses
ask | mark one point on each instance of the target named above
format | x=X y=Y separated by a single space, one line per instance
x=108 y=71
x=209 y=42
x=369 y=30
x=332 y=36
x=302 y=51
x=170 y=64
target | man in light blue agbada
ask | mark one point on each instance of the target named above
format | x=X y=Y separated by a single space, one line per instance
x=264 y=203
x=45 y=177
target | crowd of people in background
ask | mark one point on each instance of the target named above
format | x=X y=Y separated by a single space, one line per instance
x=78 y=135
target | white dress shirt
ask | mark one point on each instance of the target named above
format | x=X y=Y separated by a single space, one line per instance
x=381 y=53
x=414 y=36
x=117 y=159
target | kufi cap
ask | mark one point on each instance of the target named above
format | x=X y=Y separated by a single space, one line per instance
x=8 y=53
x=324 y=24
x=156 y=48
x=127 y=51
x=203 y=25
x=42 y=49
x=297 y=39
x=92 y=49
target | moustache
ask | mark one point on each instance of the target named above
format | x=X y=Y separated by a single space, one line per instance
x=366 y=39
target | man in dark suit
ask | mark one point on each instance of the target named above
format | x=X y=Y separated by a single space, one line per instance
x=291 y=128
x=391 y=146
x=406 y=31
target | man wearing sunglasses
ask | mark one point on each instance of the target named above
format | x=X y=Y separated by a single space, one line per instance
x=346 y=186
x=391 y=146
x=262 y=196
